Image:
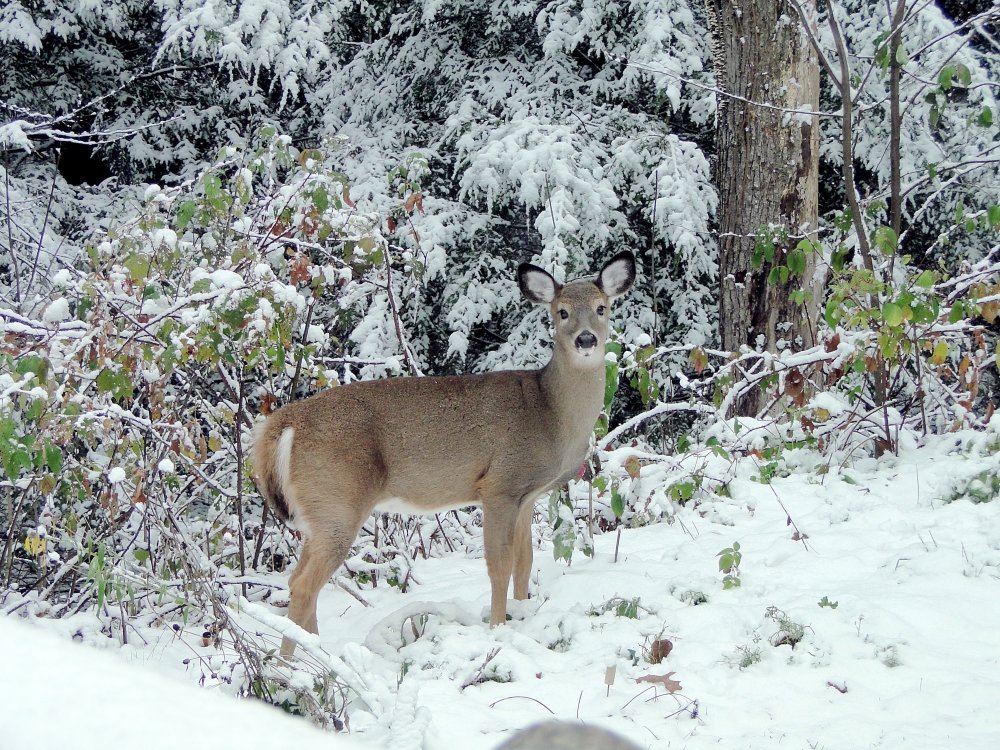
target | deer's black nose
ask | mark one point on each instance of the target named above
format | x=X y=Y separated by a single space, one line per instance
x=586 y=340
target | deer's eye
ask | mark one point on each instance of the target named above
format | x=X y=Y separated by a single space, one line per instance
x=564 y=314
x=601 y=309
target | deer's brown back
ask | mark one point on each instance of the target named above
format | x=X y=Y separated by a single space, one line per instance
x=433 y=442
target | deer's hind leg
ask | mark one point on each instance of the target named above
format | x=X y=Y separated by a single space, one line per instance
x=326 y=546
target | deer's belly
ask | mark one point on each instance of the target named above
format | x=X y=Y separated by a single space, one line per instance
x=407 y=507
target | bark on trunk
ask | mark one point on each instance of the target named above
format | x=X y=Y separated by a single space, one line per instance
x=767 y=170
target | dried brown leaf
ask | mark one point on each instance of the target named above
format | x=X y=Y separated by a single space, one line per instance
x=660 y=649
x=665 y=680
x=632 y=467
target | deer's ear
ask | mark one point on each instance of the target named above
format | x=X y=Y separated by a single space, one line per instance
x=617 y=275
x=537 y=285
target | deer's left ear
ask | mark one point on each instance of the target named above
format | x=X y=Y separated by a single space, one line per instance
x=617 y=275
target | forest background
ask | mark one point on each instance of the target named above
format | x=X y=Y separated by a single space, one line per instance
x=212 y=208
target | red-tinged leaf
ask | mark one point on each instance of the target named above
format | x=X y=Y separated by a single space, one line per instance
x=795 y=383
x=415 y=200
x=665 y=680
x=840 y=688
x=833 y=342
x=390 y=223
x=347 y=199
x=632 y=467
x=268 y=403
x=699 y=359
x=660 y=649
x=300 y=271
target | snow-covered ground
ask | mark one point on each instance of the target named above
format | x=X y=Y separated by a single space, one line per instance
x=903 y=653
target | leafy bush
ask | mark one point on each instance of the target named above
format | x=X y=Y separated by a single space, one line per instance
x=126 y=408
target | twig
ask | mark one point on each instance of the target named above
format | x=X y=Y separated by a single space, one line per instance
x=482 y=667
x=523 y=697
x=847 y=142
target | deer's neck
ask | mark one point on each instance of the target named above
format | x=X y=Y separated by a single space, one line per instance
x=575 y=395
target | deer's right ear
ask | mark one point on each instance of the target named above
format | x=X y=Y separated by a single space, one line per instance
x=537 y=285
x=617 y=275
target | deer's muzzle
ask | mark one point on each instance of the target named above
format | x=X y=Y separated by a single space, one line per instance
x=585 y=342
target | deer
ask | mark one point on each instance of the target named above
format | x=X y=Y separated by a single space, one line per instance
x=426 y=445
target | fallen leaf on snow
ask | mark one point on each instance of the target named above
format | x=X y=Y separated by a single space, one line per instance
x=669 y=684
x=659 y=650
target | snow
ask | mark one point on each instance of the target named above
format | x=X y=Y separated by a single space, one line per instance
x=57 y=311
x=894 y=587
x=225 y=279
x=55 y=694
x=62 y=278
x=116 y=475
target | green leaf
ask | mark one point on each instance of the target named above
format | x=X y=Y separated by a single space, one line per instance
x=957 y=312
x=944 y=77
x=993 y=216
x=105 y=381
x=644 y=386
x=213 y=185
x=902 y=56
x=839 y=258
x=882 y=56
x=201 y=286
x=885 y=240
x=807 y=246
x=137 y=266
x=321 y=199
x=892 y=314
x=797 y=262
x=610 y=383
x=33 y=363
x=15 y=461
x=35 y=409
x=925 y=280
x=986 y=117
x=832 y=312
x=53 y=457
x=185 y=212
x=951 y=73
x=83 y=307
x=617 y=504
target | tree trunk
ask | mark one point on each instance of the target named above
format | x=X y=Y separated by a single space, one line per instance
x=767 y=170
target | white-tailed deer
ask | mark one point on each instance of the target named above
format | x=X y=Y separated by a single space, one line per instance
x=425 y=445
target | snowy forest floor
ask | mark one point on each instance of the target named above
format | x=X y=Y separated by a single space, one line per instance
x=894 y=599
